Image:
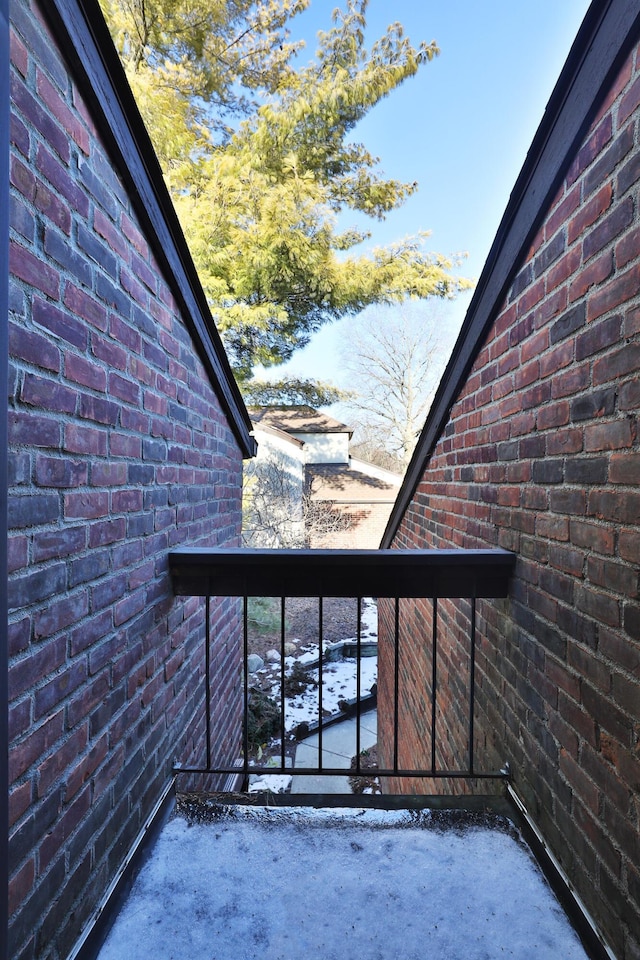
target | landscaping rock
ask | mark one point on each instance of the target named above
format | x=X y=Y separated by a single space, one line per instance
x=254 y=663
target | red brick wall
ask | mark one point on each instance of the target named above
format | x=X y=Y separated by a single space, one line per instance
x=542 y=456
x=119 y=451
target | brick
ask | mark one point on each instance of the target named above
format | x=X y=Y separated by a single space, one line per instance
x=52 y=768
x=626 y=693
x=577 y=718
x=609 y=160
x=84 y=702
x=88 y=504
x=62 y=180
x=628 y=248
x=34 y=348
x=19 y=135
x=24 y=754
x=106 y=228
x=565 y=268
x=598 y=138
x=108 y=474
x=126 y=390
x=108 y=531
x=23 y=179
x=49 y=394
x=622 y=288
x=90 y=243
x=20 y=885
x=553 y=528
x=98 y=409
x=96 y=187
x=611 y=435
x=629 y=545
x=59 y=109
x=620 y=506
x=85 y=372
x=594 y=405
x=60 y=323
x=629 y=102
x=83 y=305
x=598 y=605
x=58 y=472
x=134 y=235
x=597 y=338
x=629 y=174
x=594 y=274
x=629 y=395
x=549 y=254
x=34 y=113
x=22 y=220
x=590 y=212
x=35 y=272
x=87 y=440
x=632 y=321
x=625 y=468
x=59 y=543
x=572 y=381
x=608 y=229
x=110 y=353
x=53 y=207
x=32 y=510
x=52 y=693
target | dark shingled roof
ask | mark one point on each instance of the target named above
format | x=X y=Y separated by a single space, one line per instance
x=298 y=420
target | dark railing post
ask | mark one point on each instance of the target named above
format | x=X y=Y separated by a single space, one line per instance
x=245 y=733
x=434 y=679
x=358 y=680
x=320 y=681
x=207 y=667
x=396 y=681
x=282 y=680
x=472 y=683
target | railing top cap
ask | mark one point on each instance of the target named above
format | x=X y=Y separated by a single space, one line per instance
x=341 y=573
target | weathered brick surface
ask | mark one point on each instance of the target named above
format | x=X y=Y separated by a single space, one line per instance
x=541 y=456
x=119 y=451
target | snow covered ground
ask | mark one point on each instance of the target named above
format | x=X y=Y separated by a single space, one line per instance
x=267 y=884
x=339 y=683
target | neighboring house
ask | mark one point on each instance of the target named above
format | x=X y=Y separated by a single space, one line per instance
x=533 y=444
x=126 y=438
x=346 y=502
x=273 y=493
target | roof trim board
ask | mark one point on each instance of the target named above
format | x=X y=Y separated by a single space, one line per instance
x=87 y=45
x=4 y=366
x=605 y=38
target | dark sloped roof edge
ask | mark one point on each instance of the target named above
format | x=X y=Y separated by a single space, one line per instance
x=87 y=45
x=4 y=366
x=603 y=42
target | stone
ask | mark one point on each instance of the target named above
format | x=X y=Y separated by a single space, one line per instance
x=254 y=663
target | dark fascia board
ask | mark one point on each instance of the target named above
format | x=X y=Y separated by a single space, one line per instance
x=85 y=40
x=608 y=32
x=4 y=313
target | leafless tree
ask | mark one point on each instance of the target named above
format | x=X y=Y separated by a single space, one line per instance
x=390 y=363
x=279 y=511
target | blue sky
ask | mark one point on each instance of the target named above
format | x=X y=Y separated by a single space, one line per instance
x=461 y=127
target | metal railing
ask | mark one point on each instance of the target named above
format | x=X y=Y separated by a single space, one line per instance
x=393 y=574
